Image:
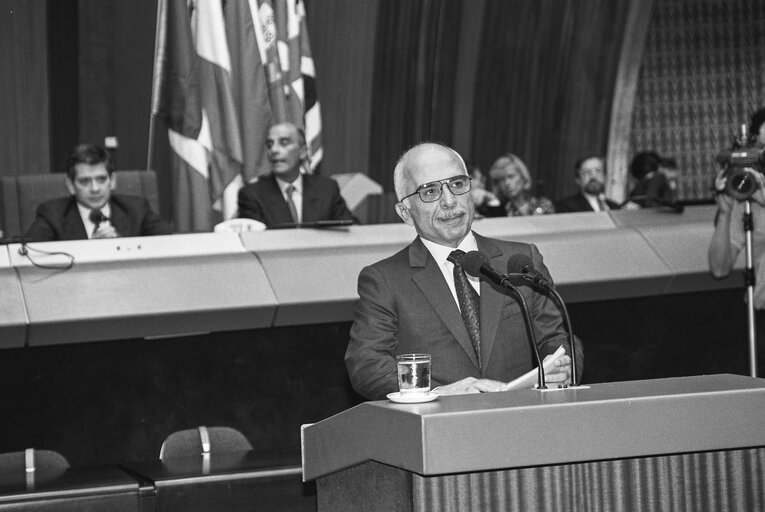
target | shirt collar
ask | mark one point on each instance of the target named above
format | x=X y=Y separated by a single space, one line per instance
x=441 y=252
x=298 y=184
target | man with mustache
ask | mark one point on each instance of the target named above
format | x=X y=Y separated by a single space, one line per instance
x=408 y=302
x=590 y=177
x=286 y=196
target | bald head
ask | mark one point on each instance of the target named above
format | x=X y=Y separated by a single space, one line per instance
x=285 y=146
x=422 y=157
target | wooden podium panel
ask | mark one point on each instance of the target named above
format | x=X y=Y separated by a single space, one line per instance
x=561 y=430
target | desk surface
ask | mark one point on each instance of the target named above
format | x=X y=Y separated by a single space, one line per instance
x=184 y=284
x=489 y=431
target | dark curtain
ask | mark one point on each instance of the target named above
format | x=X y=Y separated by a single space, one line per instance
x=413 y=85
x=545 y=84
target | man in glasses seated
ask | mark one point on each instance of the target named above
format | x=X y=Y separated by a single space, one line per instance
x=415 y=301
x=93 y=210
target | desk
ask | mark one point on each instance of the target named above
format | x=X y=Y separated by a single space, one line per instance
x=93 y=489
x=249 y=481
x=141 y=287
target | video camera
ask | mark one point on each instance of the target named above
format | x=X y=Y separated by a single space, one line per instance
x=741 y=163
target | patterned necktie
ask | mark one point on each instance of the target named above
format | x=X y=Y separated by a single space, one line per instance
x=469 y=301
x=603 y=205
x=293 y=210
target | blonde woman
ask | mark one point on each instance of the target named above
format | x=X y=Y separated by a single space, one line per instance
x=511 y=182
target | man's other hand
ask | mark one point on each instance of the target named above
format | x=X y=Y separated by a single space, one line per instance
x=471 y=385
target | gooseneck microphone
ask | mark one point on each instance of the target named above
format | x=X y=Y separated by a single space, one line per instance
x=476 y=264
x=520 y=265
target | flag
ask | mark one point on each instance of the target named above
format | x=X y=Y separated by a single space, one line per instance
x=288 y=62
x=224 y=72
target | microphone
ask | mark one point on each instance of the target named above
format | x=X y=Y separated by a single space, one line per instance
x=521 y=265
x=476 y=264
x=97 y=217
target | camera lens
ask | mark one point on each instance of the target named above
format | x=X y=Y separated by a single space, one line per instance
x=741 y=184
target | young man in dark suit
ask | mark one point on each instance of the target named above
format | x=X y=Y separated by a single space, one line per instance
x=590 y=177
x=409 y=302
x=93 y=210
x=286 y=196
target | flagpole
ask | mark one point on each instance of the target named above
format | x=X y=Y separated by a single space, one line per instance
x=159 y=47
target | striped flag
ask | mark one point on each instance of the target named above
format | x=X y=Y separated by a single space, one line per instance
x=225 y=71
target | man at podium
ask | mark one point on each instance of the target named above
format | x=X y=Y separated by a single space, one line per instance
x=415 y=300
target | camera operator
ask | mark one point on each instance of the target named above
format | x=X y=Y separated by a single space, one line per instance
x=729 y=237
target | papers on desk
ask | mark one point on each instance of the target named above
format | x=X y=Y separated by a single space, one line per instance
x=529 y=379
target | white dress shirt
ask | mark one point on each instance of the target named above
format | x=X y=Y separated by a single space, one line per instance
x=441 y=252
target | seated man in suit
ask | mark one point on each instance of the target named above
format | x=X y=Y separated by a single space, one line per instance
x=413 y=301
x=590 y=177
x=92 y=210
x=286 y=196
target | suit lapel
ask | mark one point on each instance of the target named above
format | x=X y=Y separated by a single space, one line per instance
x=278 y=205
x=310 y=199
x=429 y=279
x=491 y=300
x=72 y=222
x=119 y=219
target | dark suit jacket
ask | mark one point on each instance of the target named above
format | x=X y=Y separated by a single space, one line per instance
x=405 y=306
x=264 y=202
x=59 y=219
x=578 y=203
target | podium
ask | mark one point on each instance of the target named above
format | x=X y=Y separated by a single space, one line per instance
x=689 y=443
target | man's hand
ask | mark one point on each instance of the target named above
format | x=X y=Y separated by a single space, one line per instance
x=471 y=385
x=105 y=230
x=560 y=374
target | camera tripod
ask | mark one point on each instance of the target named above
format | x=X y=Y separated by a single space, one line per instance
x=749 y=280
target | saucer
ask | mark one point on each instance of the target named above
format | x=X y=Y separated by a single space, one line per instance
x=412 y=398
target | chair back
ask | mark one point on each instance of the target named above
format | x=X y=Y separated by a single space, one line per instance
x=22 y=194
x=202 y=441
x=30 y=466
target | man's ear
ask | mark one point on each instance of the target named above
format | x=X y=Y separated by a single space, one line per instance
x=70 y=186
x=403 y=212
x=113 y=180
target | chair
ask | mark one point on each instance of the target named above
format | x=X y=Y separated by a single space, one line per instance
x=31 y=466
x=21 y=195
x=203 y=441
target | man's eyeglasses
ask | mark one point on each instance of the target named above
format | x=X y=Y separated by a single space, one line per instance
x=430 y=192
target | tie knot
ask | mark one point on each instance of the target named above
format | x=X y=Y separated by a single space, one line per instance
x=456 y=257
x=290 y=189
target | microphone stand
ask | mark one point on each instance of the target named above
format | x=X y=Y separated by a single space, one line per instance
x=749 y=280
x=566 y=318
x=541 y=382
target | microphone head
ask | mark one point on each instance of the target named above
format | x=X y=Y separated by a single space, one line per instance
x=473 y=261
x=96 y=217
x=519 y=264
